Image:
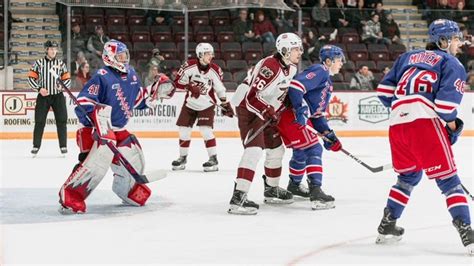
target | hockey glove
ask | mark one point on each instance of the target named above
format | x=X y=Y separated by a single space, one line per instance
x=194 y=90
x=301 y=114
x=331 y=142
x=227 y=109
x=269 y=114
x=453 y=135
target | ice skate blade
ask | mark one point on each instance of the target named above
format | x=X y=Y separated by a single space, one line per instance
x=387 y=239
x=470 y=249
x=269 y=200
x=319 y=205
x=68 y=211
x=211 y=169
x=239 y=210
x=178 y=168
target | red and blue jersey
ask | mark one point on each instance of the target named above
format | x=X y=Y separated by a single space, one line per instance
x=423 y=84
x=314 y=86
x=123 y=92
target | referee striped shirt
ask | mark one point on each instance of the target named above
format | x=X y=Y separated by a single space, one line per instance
x=40 y=76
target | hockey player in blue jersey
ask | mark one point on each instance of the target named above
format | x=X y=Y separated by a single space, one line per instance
x=309 y=94
x=424 y=89
x=108 y=98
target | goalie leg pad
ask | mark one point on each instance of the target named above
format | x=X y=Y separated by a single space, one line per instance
x=124 y=185
x=85 y=178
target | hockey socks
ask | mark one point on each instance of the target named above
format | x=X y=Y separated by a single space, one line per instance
x=400 y=192
x=456 y=200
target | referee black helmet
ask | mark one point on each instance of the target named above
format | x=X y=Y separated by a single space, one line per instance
x=49 y=43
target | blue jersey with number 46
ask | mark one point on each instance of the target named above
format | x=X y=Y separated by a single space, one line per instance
x=423 y=84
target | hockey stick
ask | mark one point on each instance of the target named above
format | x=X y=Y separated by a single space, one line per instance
x=372 y=169
x=252 y=135
x=467 y=192
x=141 y=179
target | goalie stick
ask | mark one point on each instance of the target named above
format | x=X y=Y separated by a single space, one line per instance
x=141 y=179
x=372 y=169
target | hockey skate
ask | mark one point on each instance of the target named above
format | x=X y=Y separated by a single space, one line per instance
x=34 y=152
x=68 y=211
x=389 y=232
x=239 y=204
x=319 y=199
x=179 y=164
x=211 y=164
x=299 y=190
x=276 y=195
x=466 y=234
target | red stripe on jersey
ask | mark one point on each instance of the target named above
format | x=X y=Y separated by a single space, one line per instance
x=313 y=169
x=296 y=171
x=455 y=199
x=411 y=101
x=273 y=172
x=245 y=173
x=445 y=107
x=297 y=85
x=398 y=196
x=210 y=143
x=385 y=90
x=184 y=143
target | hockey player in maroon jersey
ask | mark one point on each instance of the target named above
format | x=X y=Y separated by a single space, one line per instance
x=424 y=89
x=202 y=81
x=258 y=99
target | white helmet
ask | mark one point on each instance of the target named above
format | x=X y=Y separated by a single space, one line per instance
x=286 y=41
x=204 y=47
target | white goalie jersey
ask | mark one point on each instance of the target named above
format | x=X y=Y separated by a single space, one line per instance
x=209 y=81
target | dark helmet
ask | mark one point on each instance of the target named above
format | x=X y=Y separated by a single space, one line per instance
x=49 y=43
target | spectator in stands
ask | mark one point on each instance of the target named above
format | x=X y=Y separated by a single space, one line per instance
x=80 y=59
x=460 y=15
x=463 y=52
x=320 y=14
x=371 y=4
x=78 y=39
x=339 y=16
x=454 y=3
x=359 y=16
x=442 y=11
x=363 y=79
x=83 y=75
x=385 y=70
x=470 y=80
x=390 y=30
x=158 y=17
x=152 y=73
x=96 y=42
x=371 y=33
x=263 y=28
x=156 y=59
x=381 y=12
x=281 y=19
x=243 y=28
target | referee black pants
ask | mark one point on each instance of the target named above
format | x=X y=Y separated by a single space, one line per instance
x=58 y=103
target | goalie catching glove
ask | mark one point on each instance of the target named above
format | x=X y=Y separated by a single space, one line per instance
x=162 y=88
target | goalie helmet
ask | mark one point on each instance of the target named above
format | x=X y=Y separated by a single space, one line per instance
x=111 y=49
x=287 y=41
x=203 y=48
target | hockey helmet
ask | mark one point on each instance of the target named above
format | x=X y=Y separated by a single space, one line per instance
x=111 y=49
x=50 y=43
x=287 y=41
x=443 y=29
x=331 y=52
x=203 y=48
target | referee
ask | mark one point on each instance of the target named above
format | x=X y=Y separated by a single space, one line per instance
x=49 y=95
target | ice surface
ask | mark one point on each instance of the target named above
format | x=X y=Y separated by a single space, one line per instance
x=185 y=221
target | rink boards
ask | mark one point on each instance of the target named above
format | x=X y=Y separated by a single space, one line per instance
x=359 y=114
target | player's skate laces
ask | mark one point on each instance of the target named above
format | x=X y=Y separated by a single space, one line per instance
x=239 y=204
x=276 y=195
x=466 y=234
x=298 y=189
x=211 y=164
x=180 y=163
x=389 y=232
x=319 y=199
